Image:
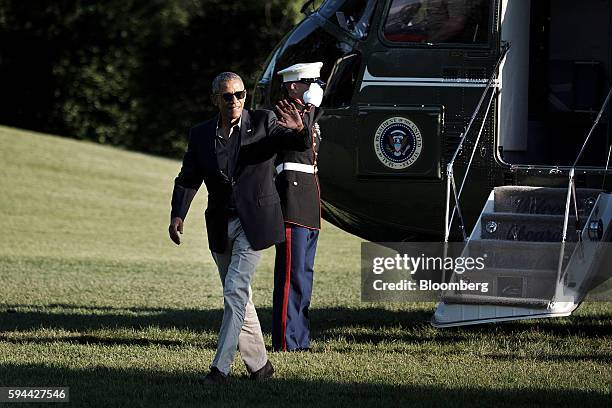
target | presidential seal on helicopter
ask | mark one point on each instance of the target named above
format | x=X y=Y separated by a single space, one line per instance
x=398 y=143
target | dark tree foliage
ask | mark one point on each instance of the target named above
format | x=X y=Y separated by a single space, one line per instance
x=132 y=73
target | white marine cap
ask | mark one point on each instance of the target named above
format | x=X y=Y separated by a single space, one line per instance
x=298 y=72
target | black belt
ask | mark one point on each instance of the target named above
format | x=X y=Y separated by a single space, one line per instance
x=232 y=212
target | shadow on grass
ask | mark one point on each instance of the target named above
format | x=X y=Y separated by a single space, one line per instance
x=354 y=325
x=71 y=317
x=584 y=326
x=600 y=358
x=104 y=387
x=87 y=339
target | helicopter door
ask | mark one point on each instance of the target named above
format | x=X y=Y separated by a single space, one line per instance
x=422 y=78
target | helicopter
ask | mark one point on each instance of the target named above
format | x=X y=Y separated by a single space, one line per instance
x=433 y=107
x=482 y=122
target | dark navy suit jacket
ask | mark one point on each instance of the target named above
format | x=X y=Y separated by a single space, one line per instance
x=257 y=201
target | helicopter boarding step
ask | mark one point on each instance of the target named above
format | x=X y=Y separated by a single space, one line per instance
x=529 y=272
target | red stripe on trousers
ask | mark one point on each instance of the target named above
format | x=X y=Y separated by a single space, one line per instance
x=287 y=283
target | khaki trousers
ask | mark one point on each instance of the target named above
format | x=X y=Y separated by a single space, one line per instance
x=240 y=328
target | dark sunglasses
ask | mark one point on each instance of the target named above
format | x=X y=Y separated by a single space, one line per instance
x=229 y=97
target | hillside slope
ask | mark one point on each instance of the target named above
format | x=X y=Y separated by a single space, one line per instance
x=77 y=208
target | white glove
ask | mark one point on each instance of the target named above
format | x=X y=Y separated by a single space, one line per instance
x=314 y=95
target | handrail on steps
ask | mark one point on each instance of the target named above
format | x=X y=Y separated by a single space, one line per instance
x=451 y=187
x=571 y=194
x=571 y=190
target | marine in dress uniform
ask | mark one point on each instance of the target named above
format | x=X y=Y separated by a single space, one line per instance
x=298 y=188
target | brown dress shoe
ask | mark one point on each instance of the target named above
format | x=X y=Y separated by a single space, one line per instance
x=263 y=373
x=214 y=377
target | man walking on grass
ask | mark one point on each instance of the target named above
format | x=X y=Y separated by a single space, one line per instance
x=233 y=154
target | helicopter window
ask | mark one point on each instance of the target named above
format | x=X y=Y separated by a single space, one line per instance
x=342 y=80
x=438 y=21
x=351 y=15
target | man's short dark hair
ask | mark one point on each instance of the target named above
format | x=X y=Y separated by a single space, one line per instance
x=224 y=77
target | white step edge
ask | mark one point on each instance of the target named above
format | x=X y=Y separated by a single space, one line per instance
x=453 y=315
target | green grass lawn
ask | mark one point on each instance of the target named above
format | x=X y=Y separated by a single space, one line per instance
x=94 y=296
